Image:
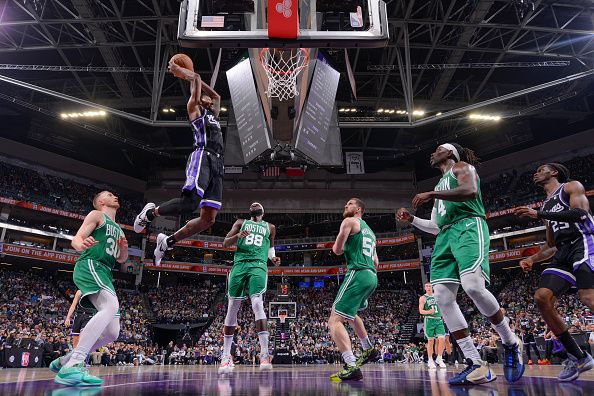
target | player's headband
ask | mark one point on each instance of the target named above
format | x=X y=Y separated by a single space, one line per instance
x=453 y=149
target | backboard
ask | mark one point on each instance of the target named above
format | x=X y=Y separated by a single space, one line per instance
x=245 y=23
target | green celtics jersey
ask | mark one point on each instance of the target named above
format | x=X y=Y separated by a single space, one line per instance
x=106 y=251
x=431 y=302
x=254 y=247
x=449 y=212
x=359 y=249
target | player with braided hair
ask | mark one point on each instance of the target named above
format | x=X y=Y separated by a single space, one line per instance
x=461 y=257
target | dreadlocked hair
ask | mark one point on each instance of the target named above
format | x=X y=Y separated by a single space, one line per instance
x=467 y=155
x=562 y=171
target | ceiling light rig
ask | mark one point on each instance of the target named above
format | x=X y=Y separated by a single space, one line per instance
x=484 y=117
x=84 y=114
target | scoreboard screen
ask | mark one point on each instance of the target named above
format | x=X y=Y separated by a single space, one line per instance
x=283 y=290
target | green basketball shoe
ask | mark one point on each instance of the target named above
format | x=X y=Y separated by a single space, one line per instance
x=77 y=375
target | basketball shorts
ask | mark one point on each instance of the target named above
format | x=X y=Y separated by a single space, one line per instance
x=246 y=280
x=91 y=277
x=572 y=266
x=461 y=248
x=354 y=291
x=79 y=323
x=434 y=328
x=204 y=174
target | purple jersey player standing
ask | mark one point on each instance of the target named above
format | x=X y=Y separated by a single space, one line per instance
x=204 y=171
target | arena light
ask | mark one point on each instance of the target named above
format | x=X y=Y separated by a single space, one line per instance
x=84 y=114
x=168 y=110
x=223 y=109
x=401 y=112
x=380 y=110
x=438 y=114
x=484 y=117
x=353 y=110
x=418 y=112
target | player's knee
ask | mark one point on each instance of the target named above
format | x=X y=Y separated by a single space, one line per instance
x=442 y=295
x=543 y=298
x=587 y=298
x=258 y=307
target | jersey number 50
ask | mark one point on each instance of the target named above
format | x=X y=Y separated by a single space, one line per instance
x=368 y=247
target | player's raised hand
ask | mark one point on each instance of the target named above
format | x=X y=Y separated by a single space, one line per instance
x=525 y=211
x=403 y=215
x=244 y=234
x=526 y=264
x=67 y=322
x=420 y=199
x=276 y=261
x=88 y=243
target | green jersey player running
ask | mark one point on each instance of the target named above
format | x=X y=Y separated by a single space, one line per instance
x=461 y=257
x=102 y=244
x=248 y=278
x=434 y=328
x=357 y=242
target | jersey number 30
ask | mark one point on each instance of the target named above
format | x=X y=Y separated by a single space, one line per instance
x=112 y=248
x=368 y=247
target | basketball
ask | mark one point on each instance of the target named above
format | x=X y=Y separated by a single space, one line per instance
x=182 y=60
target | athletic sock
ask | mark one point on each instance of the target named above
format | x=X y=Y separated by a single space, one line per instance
x=171 y=240
x=469 y=350
x=263 y=337
x=366 y=343
x=570 y=345
x=349 y=358
x=150 y=214
x=507 y=335
x=227 y=345
x=64 y=359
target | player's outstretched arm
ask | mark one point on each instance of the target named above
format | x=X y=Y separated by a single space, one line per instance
x=429 y=226
x=235 y=234
x=271 y=252
x=83 y=239
x=578 y=203
x=72 y=308
x=345 y=230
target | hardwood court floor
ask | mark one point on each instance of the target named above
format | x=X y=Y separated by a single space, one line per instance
x=388 y=379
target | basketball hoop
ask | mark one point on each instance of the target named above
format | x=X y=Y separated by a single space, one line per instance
x=282 y=315
x=282 y=68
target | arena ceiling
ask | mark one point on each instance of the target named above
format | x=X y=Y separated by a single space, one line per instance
x=443 y=55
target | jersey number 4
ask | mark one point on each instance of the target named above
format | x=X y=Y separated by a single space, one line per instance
x=368 y=247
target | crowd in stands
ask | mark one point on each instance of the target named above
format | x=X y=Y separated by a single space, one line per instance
x=29 y=185
x=183 y=303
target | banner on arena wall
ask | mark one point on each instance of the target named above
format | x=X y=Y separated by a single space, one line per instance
x=354 y=163
x=40 y=254
x=46 y=209
x=512 y=254
x=278 y=271
x=391 y=241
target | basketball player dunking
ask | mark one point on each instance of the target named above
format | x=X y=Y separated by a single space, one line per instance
x=255 y=245
x=570 y=241
x=357 y=242
x=204 y=172
x=102 y=243
x=461 y=257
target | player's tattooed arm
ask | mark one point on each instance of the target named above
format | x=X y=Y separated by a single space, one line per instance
x=345 y=230
x=467 y=184
x=235 y=234
x=83 y=239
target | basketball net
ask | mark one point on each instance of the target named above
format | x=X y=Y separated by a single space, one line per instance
x=282 y=68
x=282 y=317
